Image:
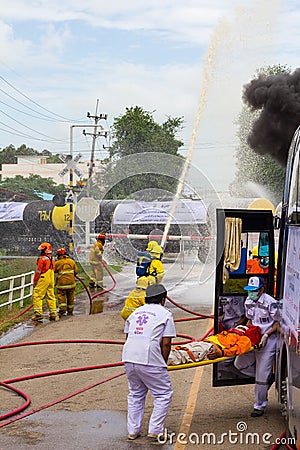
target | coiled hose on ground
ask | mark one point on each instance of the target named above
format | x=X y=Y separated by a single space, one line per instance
x=15 y=415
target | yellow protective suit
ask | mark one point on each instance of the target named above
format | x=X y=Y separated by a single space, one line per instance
x=96 y=263
x=44 y=287
x=66 y=270
x=135 y=299
x=156 y=268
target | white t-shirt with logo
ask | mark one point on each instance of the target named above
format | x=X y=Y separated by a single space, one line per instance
x=146 y=327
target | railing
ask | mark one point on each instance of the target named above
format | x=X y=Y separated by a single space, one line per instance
x=10 y=287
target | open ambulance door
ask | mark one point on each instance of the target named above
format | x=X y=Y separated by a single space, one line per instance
x=251 y=232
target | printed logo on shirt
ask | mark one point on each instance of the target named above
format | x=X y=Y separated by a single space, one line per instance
x=142 y=320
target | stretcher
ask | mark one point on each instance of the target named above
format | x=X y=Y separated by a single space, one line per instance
x=204 y=362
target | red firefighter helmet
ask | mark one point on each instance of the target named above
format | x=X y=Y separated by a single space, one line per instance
x=45 y=247
x=61 y=251
x=101 y=236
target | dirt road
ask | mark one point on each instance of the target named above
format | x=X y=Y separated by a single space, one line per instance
x=200 y=416
x=96 y=419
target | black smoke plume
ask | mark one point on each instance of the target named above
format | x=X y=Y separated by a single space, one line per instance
x=278 y=98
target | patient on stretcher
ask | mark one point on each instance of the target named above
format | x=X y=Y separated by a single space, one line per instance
x=237 y=340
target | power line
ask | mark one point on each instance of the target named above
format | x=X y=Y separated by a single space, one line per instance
x=18 y=133
x=31 y=129
x=34 y=102
x=28 y=114
x=28 y=107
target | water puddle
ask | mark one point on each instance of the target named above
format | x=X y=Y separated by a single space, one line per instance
x=17 y=333
x=85 y=430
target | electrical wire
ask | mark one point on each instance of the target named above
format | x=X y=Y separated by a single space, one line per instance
x=29 y=128
x=32 y=101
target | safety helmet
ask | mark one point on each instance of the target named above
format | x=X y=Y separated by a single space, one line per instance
x=61 y=251
x=150 y=246
x=101 y=236
x=255 y=251
x=142 y=282
x=156 y=249
x=45 y=247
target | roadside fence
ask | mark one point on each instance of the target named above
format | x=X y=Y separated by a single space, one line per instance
x=15 y=289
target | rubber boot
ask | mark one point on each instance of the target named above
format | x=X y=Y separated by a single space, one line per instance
x=53 y=317
x=37 y=317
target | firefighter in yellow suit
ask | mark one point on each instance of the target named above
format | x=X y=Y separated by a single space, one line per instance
x=43 y=284
x=96 y=262
x=136 y=297
x=156 y=268
x=66 y=269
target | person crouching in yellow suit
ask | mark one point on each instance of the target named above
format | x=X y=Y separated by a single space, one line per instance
x=136 y=297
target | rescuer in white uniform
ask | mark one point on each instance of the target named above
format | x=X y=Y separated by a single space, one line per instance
x=261 y=309
x=149 y=331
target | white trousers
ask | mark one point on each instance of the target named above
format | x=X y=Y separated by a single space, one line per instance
x=258 y=363
x=142 y=378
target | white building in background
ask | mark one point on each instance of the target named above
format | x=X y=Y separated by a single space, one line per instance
x=37 y=165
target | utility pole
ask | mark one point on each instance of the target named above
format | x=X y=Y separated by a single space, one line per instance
x=71 y=166
x=95 y=134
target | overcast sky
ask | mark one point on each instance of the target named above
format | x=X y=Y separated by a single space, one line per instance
x=59 y=56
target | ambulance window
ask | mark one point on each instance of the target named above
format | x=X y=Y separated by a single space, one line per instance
x=294 y=196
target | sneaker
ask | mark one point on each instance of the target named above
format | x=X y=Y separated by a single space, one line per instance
x=161 y=437
x=152 y=435
x=257 y=412
x=132 y=437
x=37 y=318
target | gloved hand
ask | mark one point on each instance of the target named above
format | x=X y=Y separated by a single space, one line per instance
x=263 y=340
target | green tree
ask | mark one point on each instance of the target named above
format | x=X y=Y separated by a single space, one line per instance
x=262 y=171
x=137 y=132
x=51 y=159
x=32 y=186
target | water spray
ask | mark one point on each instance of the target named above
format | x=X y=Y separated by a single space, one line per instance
x=209 y=61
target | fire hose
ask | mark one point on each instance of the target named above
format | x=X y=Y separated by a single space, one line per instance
x=7 y=383
x=90 y=297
